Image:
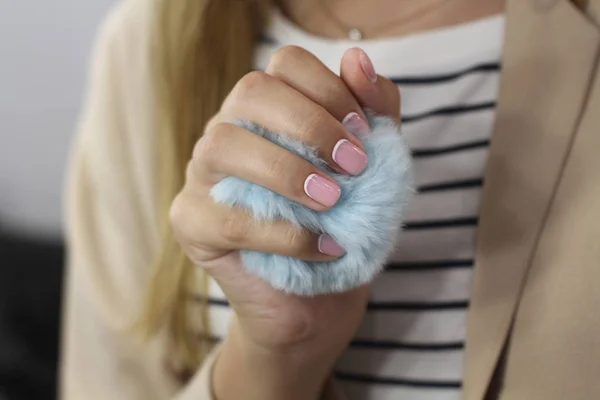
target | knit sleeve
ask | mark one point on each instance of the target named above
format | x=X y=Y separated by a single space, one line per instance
x=111 y=229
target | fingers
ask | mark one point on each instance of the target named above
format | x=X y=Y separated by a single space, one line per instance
x=269 y=102
x=229 y=150
x=222 y=227
x=371 y=90
x=305 y=73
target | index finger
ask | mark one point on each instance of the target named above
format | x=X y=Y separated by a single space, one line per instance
x=305 y=73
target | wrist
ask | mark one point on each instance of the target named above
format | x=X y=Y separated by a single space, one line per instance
x=250 y=371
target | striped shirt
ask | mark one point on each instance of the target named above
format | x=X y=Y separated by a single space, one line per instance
x=410 y=344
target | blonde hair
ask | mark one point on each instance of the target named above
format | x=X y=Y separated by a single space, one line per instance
x=201 y=48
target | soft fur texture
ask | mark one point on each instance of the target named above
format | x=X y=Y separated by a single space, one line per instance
x=365 y=221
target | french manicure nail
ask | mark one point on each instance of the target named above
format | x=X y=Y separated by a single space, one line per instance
x=352 y=159
x=367 y=66
x=322 y=190
x=356 y=125
x=329 y=246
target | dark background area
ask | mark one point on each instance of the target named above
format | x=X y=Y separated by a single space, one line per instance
x=31 y=274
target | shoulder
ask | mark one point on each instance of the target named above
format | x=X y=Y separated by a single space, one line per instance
x=123 y=39
x=117 y=109
x=127 y=24
x=114 y=143
x=119 y=93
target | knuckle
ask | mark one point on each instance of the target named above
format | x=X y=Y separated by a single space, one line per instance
x=338 y=91
x=277 y=169
x=179 y=218
x=189 y=220
x=314 y=123
x=234 y=230
x=318 y=119
x=284 y=56
x=337 y=96
x=294 y=329
x=248 y=85
x=298 y=240
x=211 y=146
x=287 y=172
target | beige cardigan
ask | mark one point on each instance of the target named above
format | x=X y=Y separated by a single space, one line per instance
x=533 y=329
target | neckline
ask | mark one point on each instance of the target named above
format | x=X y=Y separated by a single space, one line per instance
x=288 y=32
x=440 y=48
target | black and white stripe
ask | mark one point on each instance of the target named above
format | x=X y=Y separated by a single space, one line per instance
x=411 y=343
x=482 y=68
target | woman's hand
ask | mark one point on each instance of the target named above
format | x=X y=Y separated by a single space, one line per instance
x=280 y=346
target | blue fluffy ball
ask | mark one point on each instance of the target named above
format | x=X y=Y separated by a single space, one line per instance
x=366 y=220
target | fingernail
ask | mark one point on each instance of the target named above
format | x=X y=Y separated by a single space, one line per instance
x=356 y=125
x=329 y=246
x=322 y=190
x=367 y=66
x=352 y=159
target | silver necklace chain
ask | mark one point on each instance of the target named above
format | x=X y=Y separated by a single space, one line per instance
x=357 y=34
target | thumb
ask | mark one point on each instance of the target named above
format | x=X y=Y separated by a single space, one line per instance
x=371 y=90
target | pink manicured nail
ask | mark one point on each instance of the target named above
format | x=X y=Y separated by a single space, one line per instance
x=329 y=246
x=352 y=159
x=367 y=66
x=356 y=125
x=322 y=190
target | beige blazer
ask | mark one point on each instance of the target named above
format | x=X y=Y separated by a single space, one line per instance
x=534 y=320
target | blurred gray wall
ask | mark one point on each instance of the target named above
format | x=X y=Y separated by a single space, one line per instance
x=44 y=55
